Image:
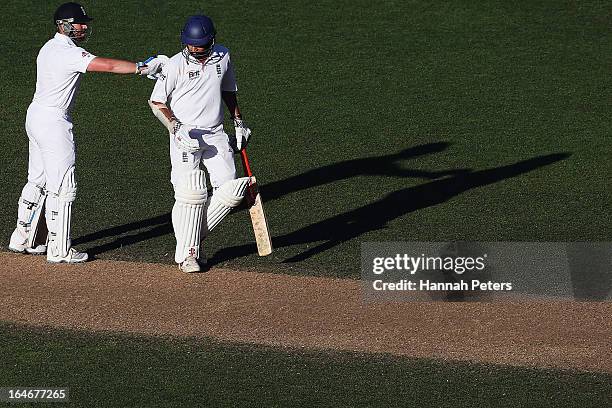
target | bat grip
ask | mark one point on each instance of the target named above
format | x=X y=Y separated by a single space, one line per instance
x=245 y=163
x=249 y=173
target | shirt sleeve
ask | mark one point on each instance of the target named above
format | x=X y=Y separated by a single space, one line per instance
x=77 y=59
x=165 y=84
x=228 y=84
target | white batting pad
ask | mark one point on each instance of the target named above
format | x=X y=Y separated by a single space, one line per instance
x=31 y=206
x=190 y=194
x=226 y=197
x=59 y=216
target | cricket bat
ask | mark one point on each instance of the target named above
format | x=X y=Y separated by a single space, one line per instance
x=258 y=216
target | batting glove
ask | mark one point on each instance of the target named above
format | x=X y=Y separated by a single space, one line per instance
x=185 y=140
x=174 y=126
x=152 y=66
x=240 y=140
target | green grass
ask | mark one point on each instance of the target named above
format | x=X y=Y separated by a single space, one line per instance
x=373 y=121
x=482 y=85
x=121 y=371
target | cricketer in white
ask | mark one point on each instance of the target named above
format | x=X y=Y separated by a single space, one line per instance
x=51 y=185
x=188 y=99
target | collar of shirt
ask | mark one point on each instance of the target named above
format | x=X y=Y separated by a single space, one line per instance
x=65 y=39
x=214 y=58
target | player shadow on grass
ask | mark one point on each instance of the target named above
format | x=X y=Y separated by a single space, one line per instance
x=344 y=227
x=387 y=165
x=161 y=226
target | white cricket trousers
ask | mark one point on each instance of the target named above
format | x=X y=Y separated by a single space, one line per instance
x=51 y=146
x=51 y=165
x=217 y=156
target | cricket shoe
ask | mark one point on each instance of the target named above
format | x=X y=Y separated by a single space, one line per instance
x=73 y=257
x=190 y=265
x=19 y=245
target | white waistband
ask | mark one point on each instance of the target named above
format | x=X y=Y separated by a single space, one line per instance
x=212 y=129
x=60 y=111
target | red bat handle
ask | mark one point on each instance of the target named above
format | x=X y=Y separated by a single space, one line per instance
x=245 y=163
x=247 y=170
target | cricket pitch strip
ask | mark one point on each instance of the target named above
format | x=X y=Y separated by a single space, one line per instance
x=300 y=312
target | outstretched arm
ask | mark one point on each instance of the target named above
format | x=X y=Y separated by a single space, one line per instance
x=114 y=66
x=150 y=66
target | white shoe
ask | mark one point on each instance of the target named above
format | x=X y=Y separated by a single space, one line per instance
x=19 y=244
x=73 y=256
x=190 y=265
x=37 y=250
x=21 y=249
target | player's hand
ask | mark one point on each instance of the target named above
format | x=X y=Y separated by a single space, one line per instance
x=174 y=126
x=152 y=66
x=186 y=140
x=242 y=134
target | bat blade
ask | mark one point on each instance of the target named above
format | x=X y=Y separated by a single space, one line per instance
x=259 y=221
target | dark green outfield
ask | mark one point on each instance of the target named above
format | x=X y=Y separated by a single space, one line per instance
x=121 y=371
x=373 y=121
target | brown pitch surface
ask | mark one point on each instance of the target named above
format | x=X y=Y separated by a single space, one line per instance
x=300 y=312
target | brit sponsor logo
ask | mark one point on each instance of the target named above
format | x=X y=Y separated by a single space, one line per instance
x=194 y=74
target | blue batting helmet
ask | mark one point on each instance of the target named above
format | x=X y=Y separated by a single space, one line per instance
x=198 y=31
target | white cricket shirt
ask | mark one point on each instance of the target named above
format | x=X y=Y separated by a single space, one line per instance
x=192 y=91
x=59 y=66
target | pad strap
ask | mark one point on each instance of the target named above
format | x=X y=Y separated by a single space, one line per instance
x=30 y=208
